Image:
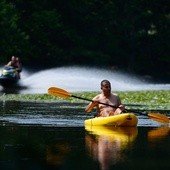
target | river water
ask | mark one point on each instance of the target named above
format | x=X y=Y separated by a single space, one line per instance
x=51 y=135
x=42 y=135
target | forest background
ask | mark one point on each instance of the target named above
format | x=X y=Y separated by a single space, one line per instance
x=133 y=36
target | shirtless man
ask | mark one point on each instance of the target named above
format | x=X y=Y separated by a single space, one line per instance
x=13 y=62
x=106 y=97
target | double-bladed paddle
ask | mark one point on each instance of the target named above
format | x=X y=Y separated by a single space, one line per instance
x=57 y=92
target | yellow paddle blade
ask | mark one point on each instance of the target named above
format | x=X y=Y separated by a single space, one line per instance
x=54 y=91
x=159 y=117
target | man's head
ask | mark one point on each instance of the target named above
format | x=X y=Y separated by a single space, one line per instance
x=13 y=58
x=104 y=82
x=105 y=85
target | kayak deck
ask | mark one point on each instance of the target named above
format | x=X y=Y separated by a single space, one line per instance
x=125 y=119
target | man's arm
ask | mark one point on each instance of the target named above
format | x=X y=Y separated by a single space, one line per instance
x=9 y=64
x=90 y=106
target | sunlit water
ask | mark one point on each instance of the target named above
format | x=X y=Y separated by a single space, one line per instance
x=78 y=79
x=59 y=121
x=53 y=114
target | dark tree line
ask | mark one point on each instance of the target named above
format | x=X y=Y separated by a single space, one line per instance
x=130 y=35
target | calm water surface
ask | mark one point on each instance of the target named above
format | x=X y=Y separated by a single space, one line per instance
x=52 y=136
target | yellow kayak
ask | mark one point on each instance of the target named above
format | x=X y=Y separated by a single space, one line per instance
x=125 y=119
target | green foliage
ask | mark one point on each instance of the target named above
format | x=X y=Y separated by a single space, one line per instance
x=131 y=35
x=150 y=99
x=13 y=39
x=26 y=97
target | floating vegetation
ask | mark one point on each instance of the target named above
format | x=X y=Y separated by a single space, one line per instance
x=136 y=99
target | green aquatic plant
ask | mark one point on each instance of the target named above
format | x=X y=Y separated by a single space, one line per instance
x=143 y=99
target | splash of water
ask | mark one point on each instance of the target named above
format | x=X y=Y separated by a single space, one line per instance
x=78 y=79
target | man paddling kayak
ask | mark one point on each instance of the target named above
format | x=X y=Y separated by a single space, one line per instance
x=109 y=98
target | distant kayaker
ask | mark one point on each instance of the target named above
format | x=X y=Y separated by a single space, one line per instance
x=16 y=63
x=107 y=97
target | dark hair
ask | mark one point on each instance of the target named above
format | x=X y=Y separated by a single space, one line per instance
x=104 y=82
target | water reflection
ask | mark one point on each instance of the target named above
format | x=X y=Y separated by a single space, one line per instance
x=158 y=133
x=42 y=147
x=108 y=145
x=57 y=154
